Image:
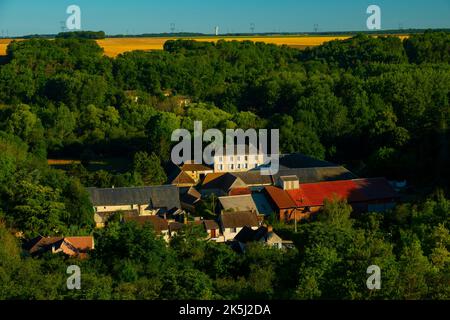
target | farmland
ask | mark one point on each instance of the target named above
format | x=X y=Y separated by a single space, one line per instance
x=116 y=46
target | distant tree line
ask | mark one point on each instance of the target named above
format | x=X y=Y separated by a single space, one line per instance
x=82 y=35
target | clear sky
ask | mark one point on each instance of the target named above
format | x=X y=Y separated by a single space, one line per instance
x=20 y=17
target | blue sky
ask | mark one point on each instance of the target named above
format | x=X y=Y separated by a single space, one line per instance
x=21 y=17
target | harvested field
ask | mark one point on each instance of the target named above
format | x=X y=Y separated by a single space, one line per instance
x=115 y=46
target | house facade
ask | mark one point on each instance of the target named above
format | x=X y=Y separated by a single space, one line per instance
x=242 y=158
x=231 y=223
x=212 y=228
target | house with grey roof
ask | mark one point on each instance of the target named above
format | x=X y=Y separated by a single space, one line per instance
x=231 y=223
x=135 y=201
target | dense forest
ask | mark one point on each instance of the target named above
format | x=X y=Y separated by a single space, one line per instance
x=378 y=105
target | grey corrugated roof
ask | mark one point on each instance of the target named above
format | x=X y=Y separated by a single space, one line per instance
x=157 y=196
x=317 y=174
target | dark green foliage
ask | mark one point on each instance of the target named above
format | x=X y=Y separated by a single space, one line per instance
x=430 y=47
x=360 y=50
x=368 y=101
x=149 y=169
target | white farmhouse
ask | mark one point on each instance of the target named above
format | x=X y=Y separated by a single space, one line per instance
x=242 y=159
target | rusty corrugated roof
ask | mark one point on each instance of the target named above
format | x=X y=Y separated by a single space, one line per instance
x=354 y=191
x=280 y=197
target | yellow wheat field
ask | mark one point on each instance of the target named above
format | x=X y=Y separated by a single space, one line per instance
x=116 y=46
x=3 y=45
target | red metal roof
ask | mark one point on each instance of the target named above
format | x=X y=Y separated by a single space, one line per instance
x=280 y=197
x=361 y=190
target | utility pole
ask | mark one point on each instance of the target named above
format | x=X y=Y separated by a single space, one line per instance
x=295 y=218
